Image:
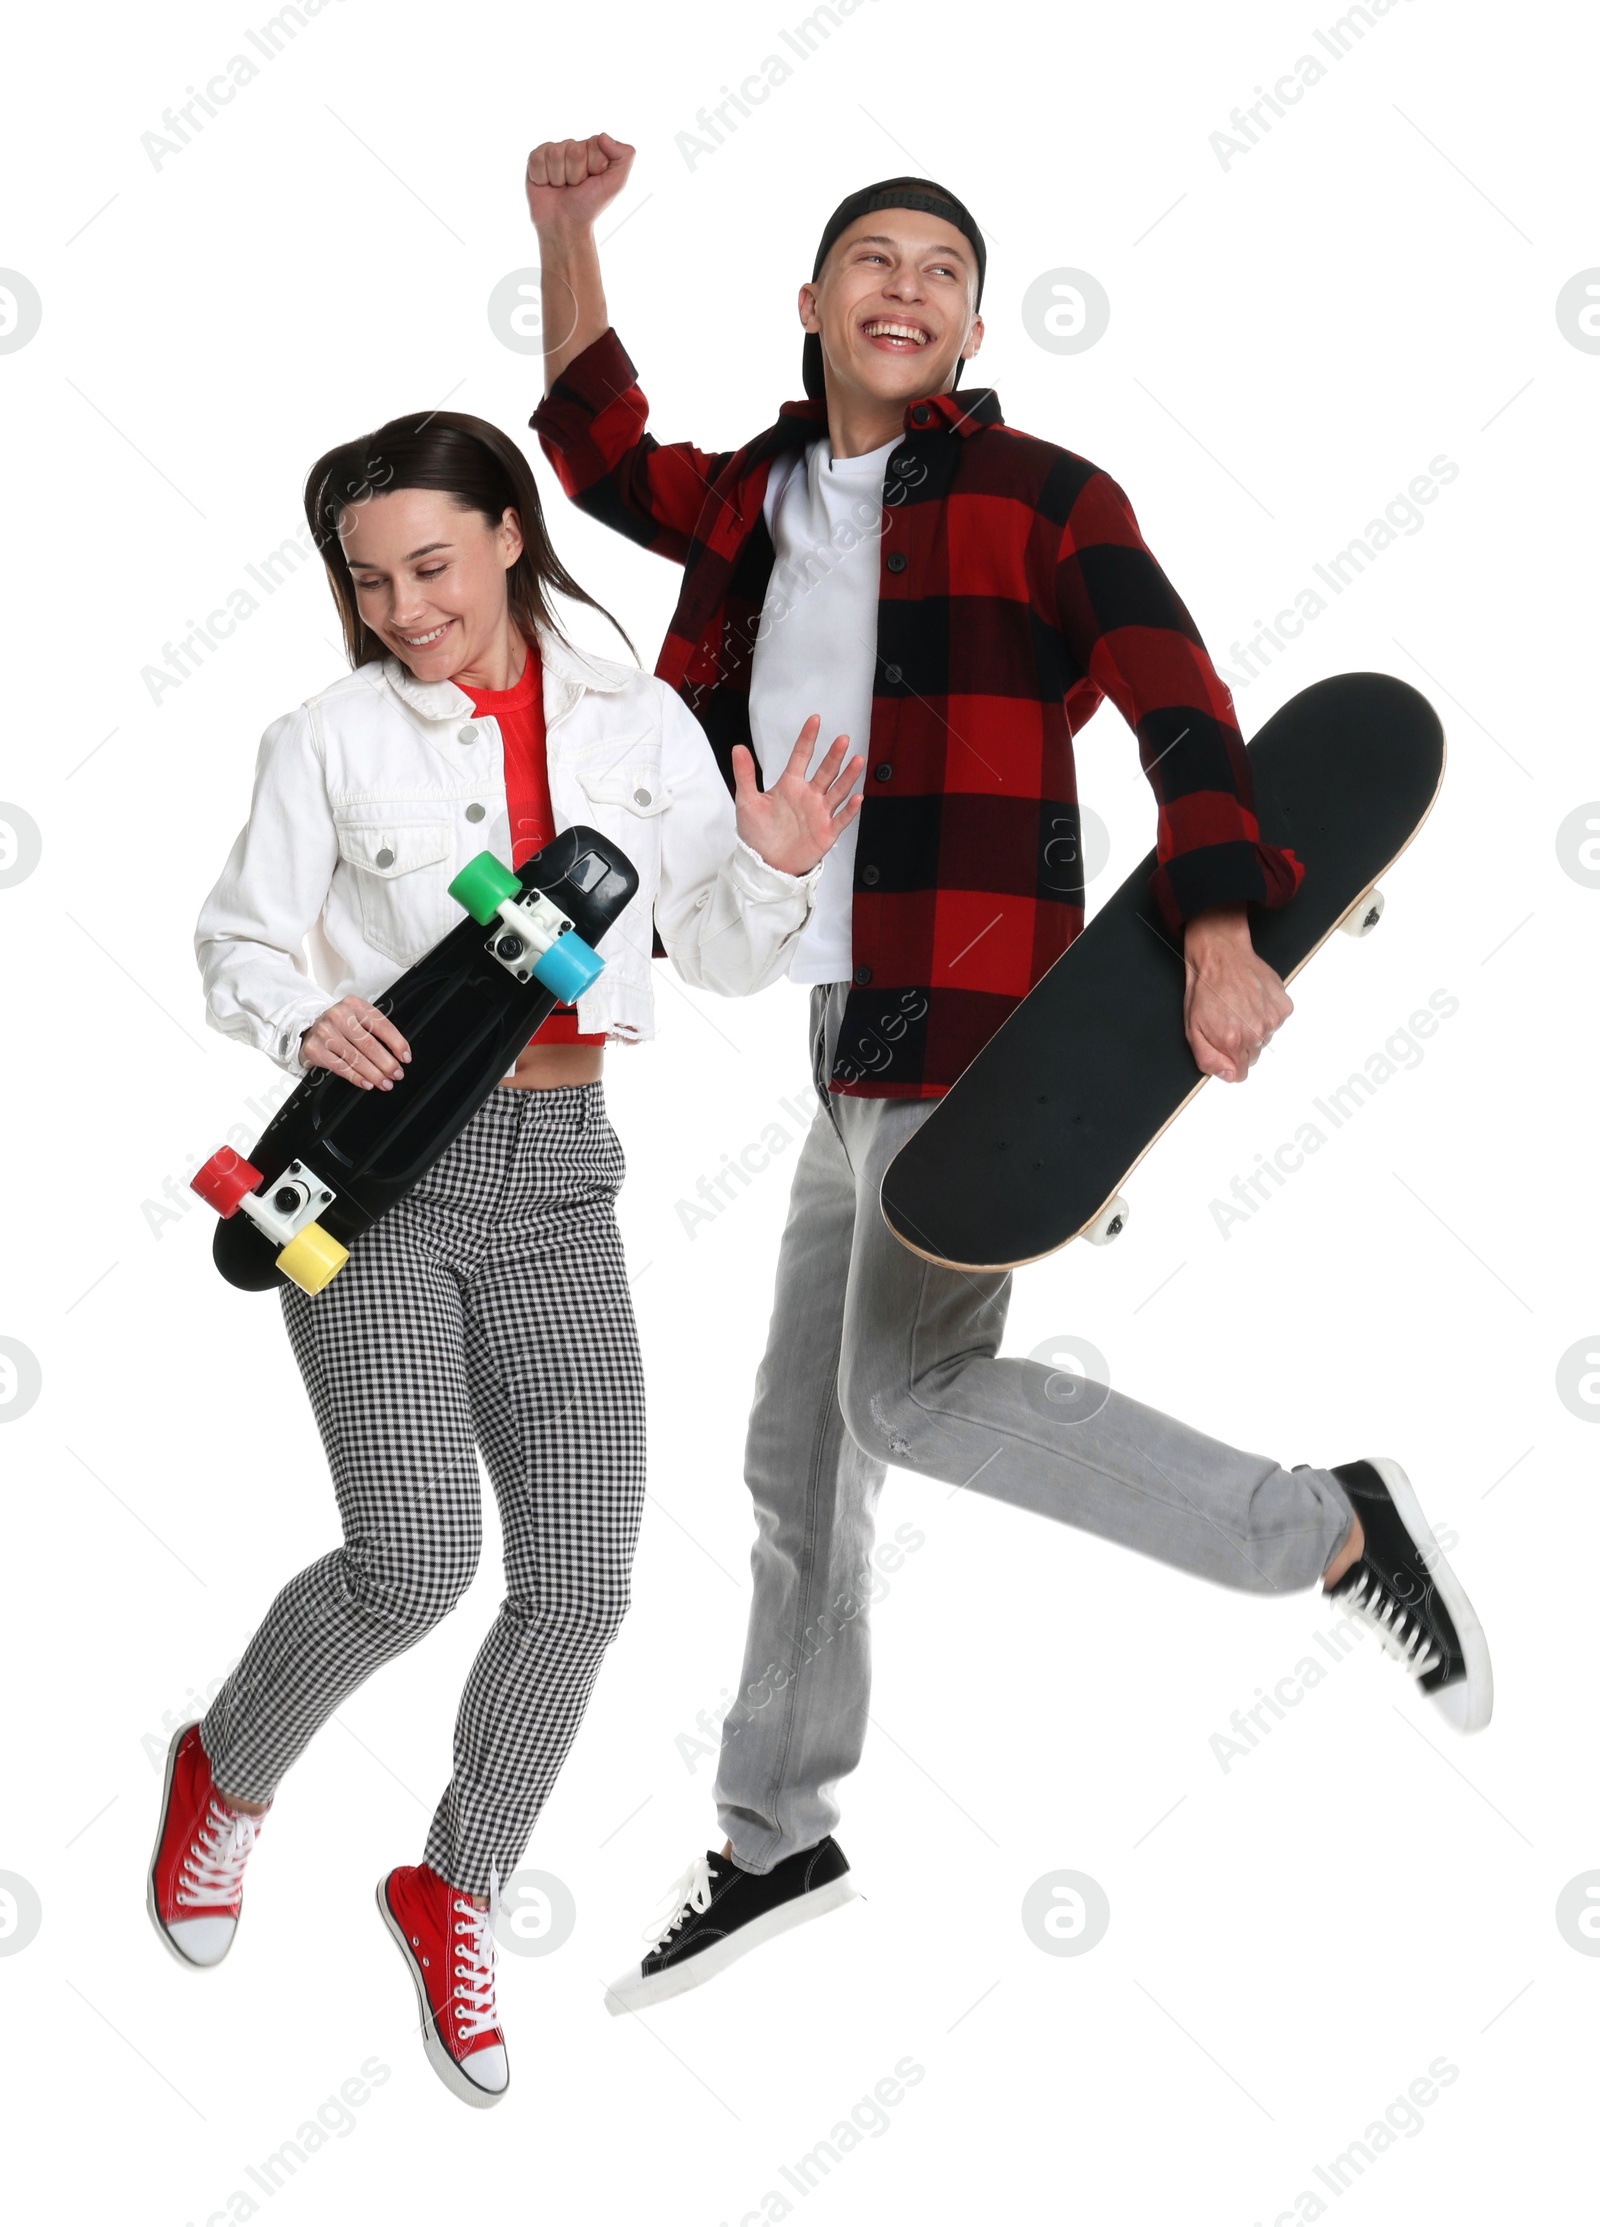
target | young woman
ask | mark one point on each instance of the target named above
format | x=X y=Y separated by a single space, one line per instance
x=491 y=1308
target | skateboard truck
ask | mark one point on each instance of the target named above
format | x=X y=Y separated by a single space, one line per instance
x=534 y=940
x=285 y=1213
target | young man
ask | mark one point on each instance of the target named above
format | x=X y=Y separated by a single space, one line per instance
x=957 y=597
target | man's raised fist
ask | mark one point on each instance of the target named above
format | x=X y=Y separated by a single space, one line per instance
x=571 y=180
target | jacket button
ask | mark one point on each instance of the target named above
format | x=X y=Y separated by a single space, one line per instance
x=641 y=796
x=883 y=773
x=921 y=414
x=468 y=733
x=902 y=467
x=892 y=673
x=863 y=976
x=869 y=874
x=474 y=811
x=896 y=560
x=385 y=857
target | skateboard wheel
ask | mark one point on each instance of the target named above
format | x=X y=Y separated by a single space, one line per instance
x=482 y=887
x=312 y=1258
x=1109 y=1222
x=568 y=968
x=1364 y=914
x=224 y=1180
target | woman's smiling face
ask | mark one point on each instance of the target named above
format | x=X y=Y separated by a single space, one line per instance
x=430 y=578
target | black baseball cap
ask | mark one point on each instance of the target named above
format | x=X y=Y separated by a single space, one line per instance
x=889 y=193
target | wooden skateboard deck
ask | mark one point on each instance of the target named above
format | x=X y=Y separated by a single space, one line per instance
x=466 y=1019
x=1034 y=1141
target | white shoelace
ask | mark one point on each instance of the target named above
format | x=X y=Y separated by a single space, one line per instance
x=1399 y=1631
x=213 y=1870
x=688 y=1896
x=472 y=1968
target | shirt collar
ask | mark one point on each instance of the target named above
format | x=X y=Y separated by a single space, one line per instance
x=961 y=412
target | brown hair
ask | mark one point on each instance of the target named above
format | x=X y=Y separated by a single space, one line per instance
x=467 y=459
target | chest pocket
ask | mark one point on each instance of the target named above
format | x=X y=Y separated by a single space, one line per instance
x=637 y=789
x=400 y=873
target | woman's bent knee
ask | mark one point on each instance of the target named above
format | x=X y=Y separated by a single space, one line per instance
x=407 y=1593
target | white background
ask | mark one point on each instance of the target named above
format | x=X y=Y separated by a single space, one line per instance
x=1292 y=1941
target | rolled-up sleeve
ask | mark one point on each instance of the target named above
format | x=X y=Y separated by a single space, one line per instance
x=250 y=936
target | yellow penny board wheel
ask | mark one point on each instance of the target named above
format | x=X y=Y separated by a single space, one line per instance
x=312 y=1258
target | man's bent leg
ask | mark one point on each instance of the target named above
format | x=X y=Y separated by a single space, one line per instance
x=921 y=1386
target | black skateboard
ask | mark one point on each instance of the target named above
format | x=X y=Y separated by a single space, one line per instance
x=334 y=1156
x=1031 y=1146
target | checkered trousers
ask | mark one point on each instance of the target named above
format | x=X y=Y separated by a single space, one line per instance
x=490 y=1310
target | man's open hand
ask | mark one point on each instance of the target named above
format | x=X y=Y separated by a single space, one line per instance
x=571 y=180
x=1233 y=1003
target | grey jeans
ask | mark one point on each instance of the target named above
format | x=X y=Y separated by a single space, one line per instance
x=876 y=1356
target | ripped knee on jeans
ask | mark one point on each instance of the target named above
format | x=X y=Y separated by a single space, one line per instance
x=878 y=1412
x=893 y=1438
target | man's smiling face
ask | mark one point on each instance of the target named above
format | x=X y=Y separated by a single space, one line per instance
x=894 y=306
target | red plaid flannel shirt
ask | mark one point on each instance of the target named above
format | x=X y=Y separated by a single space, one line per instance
x=1014 y=593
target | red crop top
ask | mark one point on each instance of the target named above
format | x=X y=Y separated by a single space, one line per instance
x=519 y=712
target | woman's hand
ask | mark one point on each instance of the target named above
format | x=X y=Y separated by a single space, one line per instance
x=797 y=821
x=355 y=1040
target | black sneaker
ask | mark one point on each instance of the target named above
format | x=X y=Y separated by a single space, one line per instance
x=720 y=1912
x=1407 y=1592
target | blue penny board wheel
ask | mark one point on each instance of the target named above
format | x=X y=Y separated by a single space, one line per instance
x=568 y=968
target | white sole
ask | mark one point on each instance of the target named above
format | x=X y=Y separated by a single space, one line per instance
x=1468 y=1703
x=481 y=2099
x=166 y=1940
x=634 y=1991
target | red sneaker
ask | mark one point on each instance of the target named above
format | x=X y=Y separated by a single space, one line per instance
x=449 y=1947
x=196 y=1888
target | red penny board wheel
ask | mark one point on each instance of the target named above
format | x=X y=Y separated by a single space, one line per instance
x=224 y=1180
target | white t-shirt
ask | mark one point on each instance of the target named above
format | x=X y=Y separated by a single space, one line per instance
x=818 y=651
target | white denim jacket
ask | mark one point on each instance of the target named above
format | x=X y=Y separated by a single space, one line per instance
x=372 y=795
